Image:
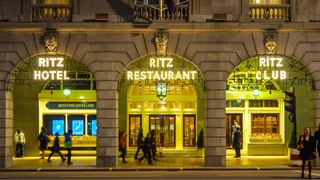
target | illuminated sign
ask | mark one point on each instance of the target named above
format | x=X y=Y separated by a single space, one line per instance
x=50 y=62
x=71 y=105
x=161 y=63
x=271 y=62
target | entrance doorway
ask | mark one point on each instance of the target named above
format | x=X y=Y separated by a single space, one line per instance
x=230 y=118
x=134 y=128
x=164 y=127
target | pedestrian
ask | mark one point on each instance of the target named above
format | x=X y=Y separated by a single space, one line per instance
x=153 y=144
x=68 y=145
x=44 y=140
x=20 y=140
x=317 y=140
x=234 y=128
x=122 y=146
x=139 y=144
x=236 y=144
x=147 y=148
x=56 y=148
x=306 y=145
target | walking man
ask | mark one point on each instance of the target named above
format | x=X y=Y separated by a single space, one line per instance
x=68 y=144
x=56 y=148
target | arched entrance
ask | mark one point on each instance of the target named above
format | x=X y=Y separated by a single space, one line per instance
x=58 y=93
x=164 y=94
x=255 y=101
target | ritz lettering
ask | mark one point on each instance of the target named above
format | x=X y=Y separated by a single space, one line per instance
x=273 y=63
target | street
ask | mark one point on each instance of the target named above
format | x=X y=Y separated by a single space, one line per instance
x=153 y=174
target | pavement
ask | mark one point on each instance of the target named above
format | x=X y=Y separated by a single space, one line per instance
x=162 y=163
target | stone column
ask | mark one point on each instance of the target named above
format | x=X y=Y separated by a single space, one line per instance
x=215 y=124
x=107 y=117
x=6 y=127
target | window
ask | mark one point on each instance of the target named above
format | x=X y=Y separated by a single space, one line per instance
x=134 y=128
x=76 y=124
x=265 y=125
x=54 y=124
x=235 y=103
x=51 y=10
x=189 y=130
x=265 y=2
x=92 y=125
x=263 y=103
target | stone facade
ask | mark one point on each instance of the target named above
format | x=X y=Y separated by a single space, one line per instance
x=107 y=48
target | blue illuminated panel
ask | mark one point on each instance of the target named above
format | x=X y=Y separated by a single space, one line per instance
x=58 y=127
x=94 y=127
x=78 y=127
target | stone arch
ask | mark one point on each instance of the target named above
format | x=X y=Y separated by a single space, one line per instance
x=243 y=80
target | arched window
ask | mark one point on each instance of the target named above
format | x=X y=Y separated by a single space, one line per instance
x=51 y=10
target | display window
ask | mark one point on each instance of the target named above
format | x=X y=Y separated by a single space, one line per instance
x=76 y=123
x=134 y=128
x=265 y=126
x=164 y=127
x=92 y=125
x=54 y=124
x=189 y=130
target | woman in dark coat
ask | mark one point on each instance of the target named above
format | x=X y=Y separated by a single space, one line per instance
x=307 y=149
x=44 y=140
x=139 y=143
x=236 y=144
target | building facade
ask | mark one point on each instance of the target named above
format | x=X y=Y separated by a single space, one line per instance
x=174 y=67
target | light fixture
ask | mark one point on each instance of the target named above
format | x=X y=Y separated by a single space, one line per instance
x=161 y=89
x=256 y=93
x=67 y=92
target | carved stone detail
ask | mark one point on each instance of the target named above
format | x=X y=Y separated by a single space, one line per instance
x=161 y=42
x=270 y=43
x=50 y=40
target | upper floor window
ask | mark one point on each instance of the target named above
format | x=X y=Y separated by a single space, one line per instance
x=269 y=2
x=161 y=10
x=51 y=10
x=269 y=10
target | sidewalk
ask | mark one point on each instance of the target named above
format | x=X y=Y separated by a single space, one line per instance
x=162 y=163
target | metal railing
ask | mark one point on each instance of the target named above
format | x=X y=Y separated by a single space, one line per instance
x=269 y=12
x=52 y=12
x=152 y=12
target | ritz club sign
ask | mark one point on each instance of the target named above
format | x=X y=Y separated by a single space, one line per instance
x=52 y=63
x=271 y=63
x=157 y=63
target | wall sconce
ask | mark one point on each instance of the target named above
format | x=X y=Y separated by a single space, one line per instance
x=161 y=89
x=67 y=92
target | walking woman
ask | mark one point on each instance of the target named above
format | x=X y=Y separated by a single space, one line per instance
x=122 y=146
x=307 y=149
x=139 y=144
x=44 y=140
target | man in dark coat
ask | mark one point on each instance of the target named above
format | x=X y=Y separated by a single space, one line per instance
x=237 y=141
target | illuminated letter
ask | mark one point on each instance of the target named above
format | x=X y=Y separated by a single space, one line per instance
x=37 y=75
x=163 y=60
x=45 y=75
x=283 y=75
x=262 y=62
x=272 y=61
x=193 y=74
x=275 y=74
x=65 y=75
x=258 y=75
x=42 y=62
x=129 y=75
x=52 y=74
x=60 y=62
x=59 y=75
x=53 y=62
x=156 y=75
x=265 y=75
x=164 y=75
x=178 y=75
x=137 y=75
x=171 y=75
x=279 y=64
x=169 y=64
x=152 y=62
x=149 y=74
x=143 y=75
x=185 y=75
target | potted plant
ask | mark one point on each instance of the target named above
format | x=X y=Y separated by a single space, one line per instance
x=200 y=142
x=294 y=152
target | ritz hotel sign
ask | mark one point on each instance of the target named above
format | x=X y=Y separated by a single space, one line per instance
x=271 y=63
x=52 y=74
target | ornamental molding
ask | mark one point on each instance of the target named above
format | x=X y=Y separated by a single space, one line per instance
x=50 y=41
x=270 y=42
x=161 y=42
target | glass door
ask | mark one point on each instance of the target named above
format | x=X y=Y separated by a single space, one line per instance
x=134 y=128
x=230 y=120
x=189 y=130
x=165 y=129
